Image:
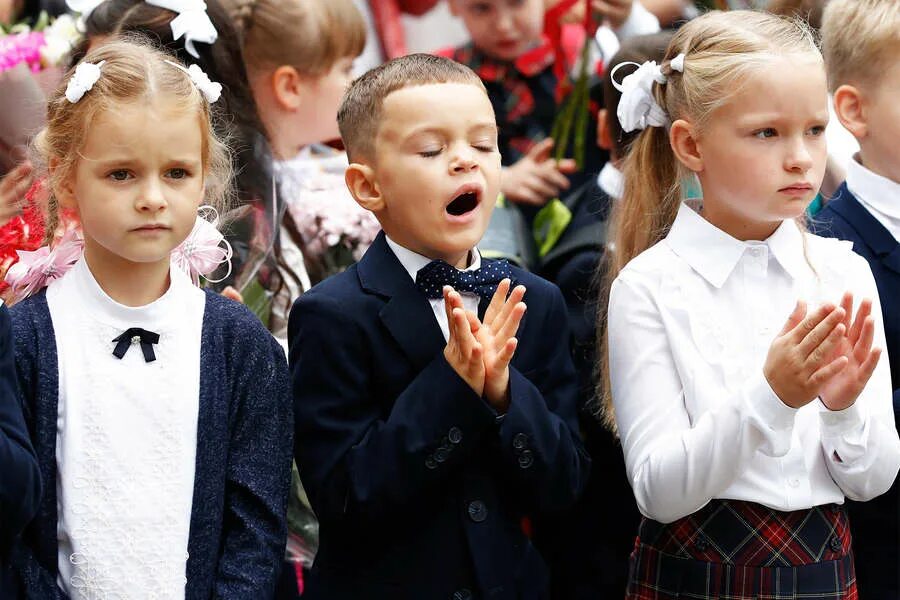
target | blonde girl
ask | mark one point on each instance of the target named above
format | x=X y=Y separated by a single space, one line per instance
x=160 y=412
x=750 y=398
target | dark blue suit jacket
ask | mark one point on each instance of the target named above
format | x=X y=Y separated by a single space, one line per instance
x=874 y=524
x=20 y=482
x=419 y=488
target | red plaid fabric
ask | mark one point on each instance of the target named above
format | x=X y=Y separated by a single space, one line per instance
x=733 y=550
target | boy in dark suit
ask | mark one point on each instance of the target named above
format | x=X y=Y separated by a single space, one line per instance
x=20 y=482
x=861 y=47
x=432 y=415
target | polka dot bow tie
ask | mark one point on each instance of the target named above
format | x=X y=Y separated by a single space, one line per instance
x=483 y=281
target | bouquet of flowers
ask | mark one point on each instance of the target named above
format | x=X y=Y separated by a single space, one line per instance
x=336 y=231
x=31 y=65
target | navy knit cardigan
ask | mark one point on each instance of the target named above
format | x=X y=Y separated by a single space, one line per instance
x=244 y=448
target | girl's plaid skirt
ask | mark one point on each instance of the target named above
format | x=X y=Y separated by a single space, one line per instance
x=734 y=550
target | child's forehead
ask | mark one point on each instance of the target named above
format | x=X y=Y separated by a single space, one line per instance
x=447 y=104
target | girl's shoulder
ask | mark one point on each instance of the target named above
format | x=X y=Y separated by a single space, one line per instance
x=235 y=324
x=831 y=253
x=655 y=262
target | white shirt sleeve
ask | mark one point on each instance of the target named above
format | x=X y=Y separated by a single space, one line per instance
x=860 y=443
x=676 y=466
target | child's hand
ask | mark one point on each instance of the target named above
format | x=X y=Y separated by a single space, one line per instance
x=842 y=390
x=536 y=177
x=13 y=187
x=496 y=335
x=614 y=12
x=801 y=360
x=233 y=294
x=463 y=351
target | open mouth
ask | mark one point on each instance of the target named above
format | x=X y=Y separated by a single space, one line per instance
x=462 y=204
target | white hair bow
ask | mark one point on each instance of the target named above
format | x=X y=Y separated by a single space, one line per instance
x=84 y=8
x=192 y=22
x=82 y=80
x=638 y=108
x=211 y=90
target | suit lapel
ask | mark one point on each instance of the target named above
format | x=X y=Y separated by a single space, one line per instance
x=407 y=314
x=878 y=238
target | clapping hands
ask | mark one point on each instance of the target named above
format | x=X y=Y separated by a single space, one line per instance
x=480 y=352
x=827 y=354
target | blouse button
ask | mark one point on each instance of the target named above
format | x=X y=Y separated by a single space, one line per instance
x=794 y=482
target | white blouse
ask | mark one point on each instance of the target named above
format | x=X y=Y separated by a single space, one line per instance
x=126 y=438
x=690 y=324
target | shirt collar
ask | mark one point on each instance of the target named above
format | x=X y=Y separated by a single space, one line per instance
x=148 y=316
x=714 y=254
x=872 y=189
x=414 y=262
x=611 y=181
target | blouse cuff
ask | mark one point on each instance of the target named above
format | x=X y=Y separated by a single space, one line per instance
x=768 y=406
x=836 y=423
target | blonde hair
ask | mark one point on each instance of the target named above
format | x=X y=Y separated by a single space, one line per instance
x=360 y=113
x=722 y=49
x=860 y=40
x=132 y=72
x=310 y=35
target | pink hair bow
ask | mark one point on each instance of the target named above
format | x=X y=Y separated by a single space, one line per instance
x=204 y=250
x=38 y=268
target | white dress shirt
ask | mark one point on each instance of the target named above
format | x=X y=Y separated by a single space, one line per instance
x=879 y=195
x=413 y=261
x=691 y=321
x=126 y=438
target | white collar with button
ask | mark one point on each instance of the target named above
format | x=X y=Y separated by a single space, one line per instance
x=714 y=254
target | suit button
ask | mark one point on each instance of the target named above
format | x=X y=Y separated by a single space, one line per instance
x=526 y=459
x=431 y=463
x=454 y=435
x=441 y=454
x=462 y=594
x=701 y=543
x=520 y=440
x=835 y=543
x=477 y=511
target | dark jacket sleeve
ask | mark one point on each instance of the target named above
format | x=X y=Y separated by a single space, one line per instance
x=539 y=435
x=357 y=460
x=20 y=484
x=258 y=475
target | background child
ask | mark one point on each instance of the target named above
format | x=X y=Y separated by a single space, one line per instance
x=506 y=36
x=861 y=43
x=20 y=492
x=428 y=420
x=299 y=57
x=163 y=435
x=760 y=440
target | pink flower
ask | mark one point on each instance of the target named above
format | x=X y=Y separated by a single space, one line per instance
x=202 y=252
x=36 y=269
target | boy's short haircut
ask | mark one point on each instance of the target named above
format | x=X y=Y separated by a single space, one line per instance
x=638 y=49
x=360 y=113
x=860 y=40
